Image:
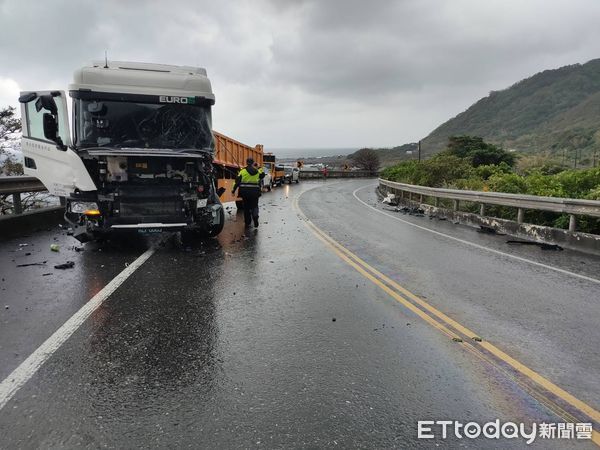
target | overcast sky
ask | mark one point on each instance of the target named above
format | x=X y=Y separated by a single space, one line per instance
x=295 y=73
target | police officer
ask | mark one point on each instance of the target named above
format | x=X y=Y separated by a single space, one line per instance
x=248 y=181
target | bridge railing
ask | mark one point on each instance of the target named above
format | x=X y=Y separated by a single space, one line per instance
x=571 y=206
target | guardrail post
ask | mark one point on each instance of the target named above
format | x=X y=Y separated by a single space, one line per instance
x=572 y=223
x=17 y=206
x=402 y=195
x=455 y=204
x=520 y=214
x=436 y=202
x=421 y=198
x=482 y=209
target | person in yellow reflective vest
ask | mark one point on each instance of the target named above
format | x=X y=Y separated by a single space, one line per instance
x=249 y=181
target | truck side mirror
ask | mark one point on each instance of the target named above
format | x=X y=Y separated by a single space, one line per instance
x=46 y=102
x=51 y=130
x=50 y=127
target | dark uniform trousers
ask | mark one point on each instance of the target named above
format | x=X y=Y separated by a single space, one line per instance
x=250 y=206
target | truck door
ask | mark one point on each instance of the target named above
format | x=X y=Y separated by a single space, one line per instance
x=46 y=144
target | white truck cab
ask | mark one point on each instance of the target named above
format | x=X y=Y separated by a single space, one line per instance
x=140 y=153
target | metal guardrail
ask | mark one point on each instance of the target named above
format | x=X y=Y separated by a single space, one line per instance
x=570 y=206
x=312 y=174
x=16 y=185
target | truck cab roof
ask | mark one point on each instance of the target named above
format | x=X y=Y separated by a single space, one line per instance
x=143 y=78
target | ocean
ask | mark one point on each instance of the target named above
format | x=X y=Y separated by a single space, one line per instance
x=309 y=152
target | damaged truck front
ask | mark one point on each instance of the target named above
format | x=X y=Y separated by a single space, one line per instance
x=141 y=154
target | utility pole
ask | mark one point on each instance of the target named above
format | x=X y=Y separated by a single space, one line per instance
x=419 y=151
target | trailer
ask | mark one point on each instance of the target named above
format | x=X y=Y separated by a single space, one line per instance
x=230 y=157
x=141 y=153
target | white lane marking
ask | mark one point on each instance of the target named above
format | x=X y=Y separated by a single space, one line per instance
x=472 y=244
x=30 y=366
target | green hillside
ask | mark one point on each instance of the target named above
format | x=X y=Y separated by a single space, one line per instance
x=555 y=112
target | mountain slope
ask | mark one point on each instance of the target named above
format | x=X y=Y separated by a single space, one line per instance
x=552 y=111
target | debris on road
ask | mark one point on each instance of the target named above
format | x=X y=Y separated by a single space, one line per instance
x=46 y=274
x=542 y=245
x=411 y=211
x=32 y=264
x=390 y=199
x=54 y=247
x=486 y=229
x=67 y=265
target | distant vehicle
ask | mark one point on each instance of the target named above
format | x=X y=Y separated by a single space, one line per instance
x=267 y=180
x=277 y=171
x=292 y=174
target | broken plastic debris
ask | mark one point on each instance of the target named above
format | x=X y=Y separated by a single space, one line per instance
x=32 y=264
x=54 y=247
x=542 y=245
x=389 y=199
x=67 y=265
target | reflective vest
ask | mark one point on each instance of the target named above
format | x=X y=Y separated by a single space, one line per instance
x=250 y=181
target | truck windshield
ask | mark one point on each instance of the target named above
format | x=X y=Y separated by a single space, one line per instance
x=122 y=124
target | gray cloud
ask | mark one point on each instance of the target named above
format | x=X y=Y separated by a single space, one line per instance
x=308 y=73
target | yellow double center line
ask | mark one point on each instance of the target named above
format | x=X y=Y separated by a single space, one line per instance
x=549 y=394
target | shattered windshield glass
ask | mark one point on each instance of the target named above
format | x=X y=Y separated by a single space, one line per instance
x=121 y=124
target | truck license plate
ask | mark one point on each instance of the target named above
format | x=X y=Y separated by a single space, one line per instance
x=149 y=230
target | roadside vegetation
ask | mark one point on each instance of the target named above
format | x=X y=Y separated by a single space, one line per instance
x=10 y=136
x=470 y=163
x=10 y=164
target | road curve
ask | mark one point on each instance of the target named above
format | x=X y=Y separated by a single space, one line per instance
x=270 y=338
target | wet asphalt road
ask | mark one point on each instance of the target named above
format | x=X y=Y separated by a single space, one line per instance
x=231 y=342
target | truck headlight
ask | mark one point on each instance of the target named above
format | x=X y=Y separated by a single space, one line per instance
x=82 y=207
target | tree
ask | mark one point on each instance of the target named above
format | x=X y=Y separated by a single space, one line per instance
x=367 y=159
x=477 y=151
x=10 y=128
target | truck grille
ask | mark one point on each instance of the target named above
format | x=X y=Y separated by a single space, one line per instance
x=150 y=204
